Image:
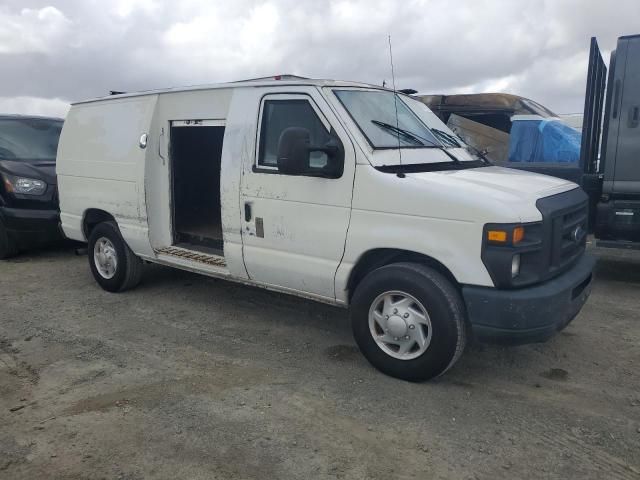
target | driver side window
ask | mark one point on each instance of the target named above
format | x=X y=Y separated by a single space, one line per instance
x=278 y=115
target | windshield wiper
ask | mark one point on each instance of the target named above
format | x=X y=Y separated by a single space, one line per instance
x=479 y=154
x=453 y=141
x=444 y=136
x=415 y=138
x=405 y=133
x=453 y=158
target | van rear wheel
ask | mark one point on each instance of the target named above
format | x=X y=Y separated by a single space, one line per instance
x=114 y=266
x=7 y=245
x=408 y=321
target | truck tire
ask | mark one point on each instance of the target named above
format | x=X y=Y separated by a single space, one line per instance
x=114 y=266
x=409 y=321
x=8 y=247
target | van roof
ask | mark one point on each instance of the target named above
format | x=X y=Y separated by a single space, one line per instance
x=279 y=80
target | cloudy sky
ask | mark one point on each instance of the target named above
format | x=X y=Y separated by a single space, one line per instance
x=57 y=51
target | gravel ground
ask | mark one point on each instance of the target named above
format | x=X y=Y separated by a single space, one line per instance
x=189 y=377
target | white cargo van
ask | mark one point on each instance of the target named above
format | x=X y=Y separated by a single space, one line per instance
x=344 y=193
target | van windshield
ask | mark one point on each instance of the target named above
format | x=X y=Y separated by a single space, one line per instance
x=25 y=139
x=374 y=111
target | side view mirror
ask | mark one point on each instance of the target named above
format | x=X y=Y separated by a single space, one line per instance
x=293 y=151
x=294 y=154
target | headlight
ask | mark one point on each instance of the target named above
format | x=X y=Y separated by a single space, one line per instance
x=24 y=186
x=512 y=253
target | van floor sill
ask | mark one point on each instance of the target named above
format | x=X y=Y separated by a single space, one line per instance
x=193 y=247
x=192 y=255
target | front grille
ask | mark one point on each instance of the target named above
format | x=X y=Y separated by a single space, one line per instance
x=571 y=229
x=564 y=220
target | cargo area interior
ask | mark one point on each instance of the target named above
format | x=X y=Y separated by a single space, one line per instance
x=195 y=167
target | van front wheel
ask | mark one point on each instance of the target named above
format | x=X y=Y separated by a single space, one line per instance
x=114 y=266
x=408 y=321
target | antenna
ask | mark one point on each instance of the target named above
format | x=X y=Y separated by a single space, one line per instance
x=395 y=99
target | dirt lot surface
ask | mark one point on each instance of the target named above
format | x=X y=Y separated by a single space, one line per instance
x=188 y=377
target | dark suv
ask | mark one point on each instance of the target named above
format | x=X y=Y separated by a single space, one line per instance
x=28 y=193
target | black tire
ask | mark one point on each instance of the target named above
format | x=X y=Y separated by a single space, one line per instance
x=445 y=309
x=128 y=270
x=8 y=247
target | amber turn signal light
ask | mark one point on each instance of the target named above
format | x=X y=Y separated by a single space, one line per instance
x=497 y=236
x=518 y=234
x=504 y=236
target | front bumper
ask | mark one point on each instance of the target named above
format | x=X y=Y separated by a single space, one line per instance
x=532 y=314
x=27 y=224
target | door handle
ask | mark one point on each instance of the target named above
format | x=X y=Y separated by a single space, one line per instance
x=247 y=212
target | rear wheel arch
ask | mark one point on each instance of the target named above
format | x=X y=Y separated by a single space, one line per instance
x=380 y=257
x=92 y=218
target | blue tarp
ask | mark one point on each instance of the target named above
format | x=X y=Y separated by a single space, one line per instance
x=544 y=140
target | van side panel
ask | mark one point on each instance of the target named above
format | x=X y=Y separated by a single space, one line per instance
x=100 y=165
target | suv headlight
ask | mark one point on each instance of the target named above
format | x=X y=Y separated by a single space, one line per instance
x=24 y=186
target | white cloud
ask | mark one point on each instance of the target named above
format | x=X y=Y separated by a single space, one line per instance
x=75 y=49
x=125 y=8
x=50 y=107
x=31 y=30
x=215 y=41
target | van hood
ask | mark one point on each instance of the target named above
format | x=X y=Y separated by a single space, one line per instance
x=503 y=184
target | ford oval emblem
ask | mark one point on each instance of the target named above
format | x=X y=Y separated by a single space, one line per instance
x=577 y=234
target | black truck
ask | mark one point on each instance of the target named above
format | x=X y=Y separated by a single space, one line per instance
x=29 y=214
x=519 y=133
